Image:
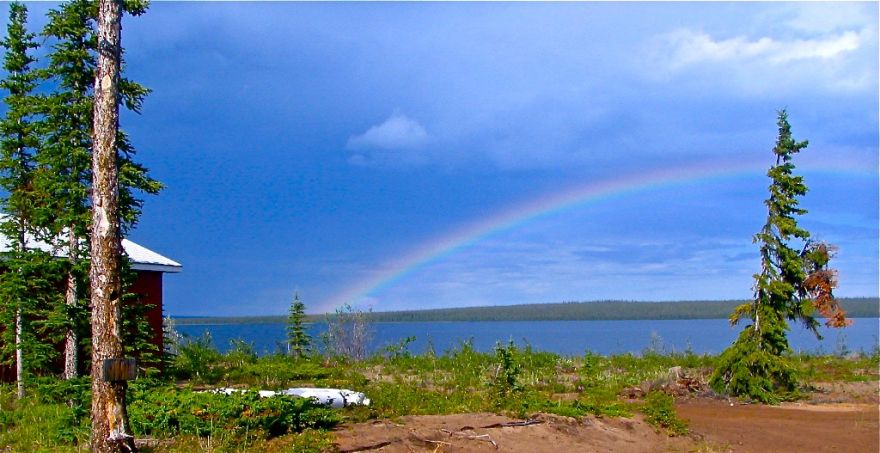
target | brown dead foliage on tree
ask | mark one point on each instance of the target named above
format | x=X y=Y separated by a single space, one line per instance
x=820 y=284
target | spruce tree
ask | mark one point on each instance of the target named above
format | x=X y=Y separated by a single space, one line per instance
x=793 y=284
x=66 y=156
x=19 y=297
x=67 y=127
x=299 y=343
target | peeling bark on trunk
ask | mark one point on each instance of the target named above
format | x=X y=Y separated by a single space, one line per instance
x=19 y=326
x=19 y=356
x=71 y=349
x=19 y=323
x=110 y=432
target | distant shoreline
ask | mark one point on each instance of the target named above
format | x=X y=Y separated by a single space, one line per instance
x=856 y=307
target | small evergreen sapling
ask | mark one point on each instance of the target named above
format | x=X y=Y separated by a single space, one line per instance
x=299 y=343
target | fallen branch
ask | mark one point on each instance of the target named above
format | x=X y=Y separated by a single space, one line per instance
x=366 y=447
x=528 y=422
x=463 y=435
x=438 y=442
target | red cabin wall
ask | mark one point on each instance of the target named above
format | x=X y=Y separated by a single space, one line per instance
x=148 y=285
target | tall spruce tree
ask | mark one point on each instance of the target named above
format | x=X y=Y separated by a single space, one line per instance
x=299 y=343
x=23 y=288
x=67 y=126
x=794 y=283
x=66 y=156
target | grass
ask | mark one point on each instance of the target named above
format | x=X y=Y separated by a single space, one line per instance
x=835 y=367
x=511 y=380
x=33 y=425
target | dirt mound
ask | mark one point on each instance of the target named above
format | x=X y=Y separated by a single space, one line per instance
x=490 y=432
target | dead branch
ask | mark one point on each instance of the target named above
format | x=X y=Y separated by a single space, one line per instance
x=528 y=422
x=464 y=435
x=420 y=439
x=366 y=447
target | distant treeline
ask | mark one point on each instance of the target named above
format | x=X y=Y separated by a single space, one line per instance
x=856 y=307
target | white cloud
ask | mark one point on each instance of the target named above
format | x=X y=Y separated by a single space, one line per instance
x=685 y=48
x=787 y=51
x=396 y=132
x=822 y=17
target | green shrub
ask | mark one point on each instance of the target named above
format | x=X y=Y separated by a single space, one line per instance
x=659 y=410
x=507 y=370
x=167 y=411
x=400 y=350
x=277 y=371
x=197 y=359
x=240 y=353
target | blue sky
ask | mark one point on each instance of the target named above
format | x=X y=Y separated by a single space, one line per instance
x=328 y=148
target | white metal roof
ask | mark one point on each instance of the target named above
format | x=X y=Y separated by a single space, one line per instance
x=143 y=259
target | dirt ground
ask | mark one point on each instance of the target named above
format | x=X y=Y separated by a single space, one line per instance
x=837 y=418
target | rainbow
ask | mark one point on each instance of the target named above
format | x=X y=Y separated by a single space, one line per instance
x=595 y=191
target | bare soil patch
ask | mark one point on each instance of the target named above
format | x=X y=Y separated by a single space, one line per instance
x=489 y=432
x=838 y=417
x=801 y=427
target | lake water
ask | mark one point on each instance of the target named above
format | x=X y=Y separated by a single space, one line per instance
x=562 y=337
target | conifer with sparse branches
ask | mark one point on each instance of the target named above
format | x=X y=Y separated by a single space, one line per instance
x=794 y=284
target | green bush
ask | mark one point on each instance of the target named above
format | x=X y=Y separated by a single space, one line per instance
x=507 y=370
x=167 y=411
x=240 y=353
x=400 y=350
x=278 y=370
x=659 y=409
x=197 y=359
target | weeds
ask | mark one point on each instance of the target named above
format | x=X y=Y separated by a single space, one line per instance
x=514 y=380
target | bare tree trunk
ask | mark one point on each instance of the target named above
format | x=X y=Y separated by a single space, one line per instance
x=71 y=350
x=19 y=356
x=19 y=325
x=109 y=416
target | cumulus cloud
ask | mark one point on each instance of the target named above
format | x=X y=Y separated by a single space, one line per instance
x=396 y=132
